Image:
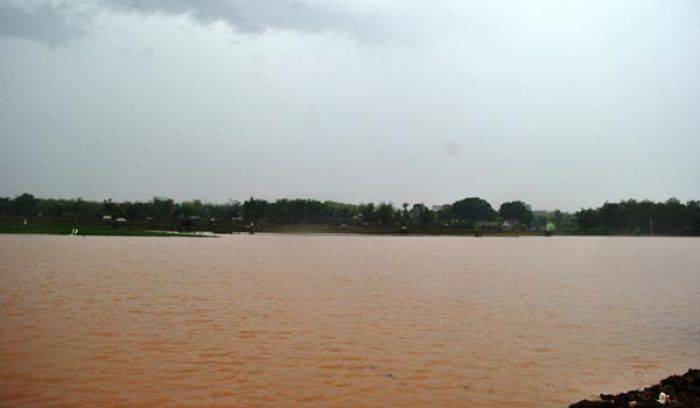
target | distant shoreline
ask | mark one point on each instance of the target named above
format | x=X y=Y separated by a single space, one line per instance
x=468 y=216
x=90 y=230
x=136 y=231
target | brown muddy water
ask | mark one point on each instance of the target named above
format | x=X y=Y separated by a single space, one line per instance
x=333 y=320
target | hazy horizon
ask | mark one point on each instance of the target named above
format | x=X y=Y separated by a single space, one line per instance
x=560 y=105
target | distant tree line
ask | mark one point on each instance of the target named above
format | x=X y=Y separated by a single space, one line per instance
x=627 y=217
x=641 y=218
x=462 y=213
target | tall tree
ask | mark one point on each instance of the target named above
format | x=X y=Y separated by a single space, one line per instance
x=385 y=213
x=473 y=209
x=26 y=205
x=516 y=210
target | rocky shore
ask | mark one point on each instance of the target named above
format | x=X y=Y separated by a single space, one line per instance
x=679 y=391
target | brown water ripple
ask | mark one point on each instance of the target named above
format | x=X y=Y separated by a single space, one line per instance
x=271 y=320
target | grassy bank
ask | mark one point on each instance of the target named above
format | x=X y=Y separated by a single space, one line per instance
x=88 y=230
x=374 y=230
x=153 y=231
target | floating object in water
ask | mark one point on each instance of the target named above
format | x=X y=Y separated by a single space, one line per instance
x=664 y=398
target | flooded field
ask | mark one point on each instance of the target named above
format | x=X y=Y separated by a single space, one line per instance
x=333 y=320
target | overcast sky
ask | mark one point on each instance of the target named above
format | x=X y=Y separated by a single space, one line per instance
x=562 y=104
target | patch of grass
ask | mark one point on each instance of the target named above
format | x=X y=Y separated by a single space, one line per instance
x=63 y=229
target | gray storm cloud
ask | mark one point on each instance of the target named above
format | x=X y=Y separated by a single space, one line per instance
x=55 y=22
x=46 y=22
x=559 y=104
x=247 y=16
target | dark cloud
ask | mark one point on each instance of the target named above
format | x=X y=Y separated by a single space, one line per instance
x=45 y=22
x=245 y=15
x=51 y=22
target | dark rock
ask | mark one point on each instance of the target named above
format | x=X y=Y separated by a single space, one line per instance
x=683 y=389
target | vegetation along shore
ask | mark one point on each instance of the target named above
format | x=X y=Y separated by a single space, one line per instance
x=473 y=215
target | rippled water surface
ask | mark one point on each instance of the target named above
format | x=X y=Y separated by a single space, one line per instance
x=293 y=320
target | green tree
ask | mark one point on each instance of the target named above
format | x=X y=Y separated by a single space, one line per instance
x=162 y=208
x=25 y=205
x=405 y=216
x=108 y=207
x=420 y=215
x=473 y=209
x=516 y=210
x=366 y=212
x=385 y=213
x=254 y=210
